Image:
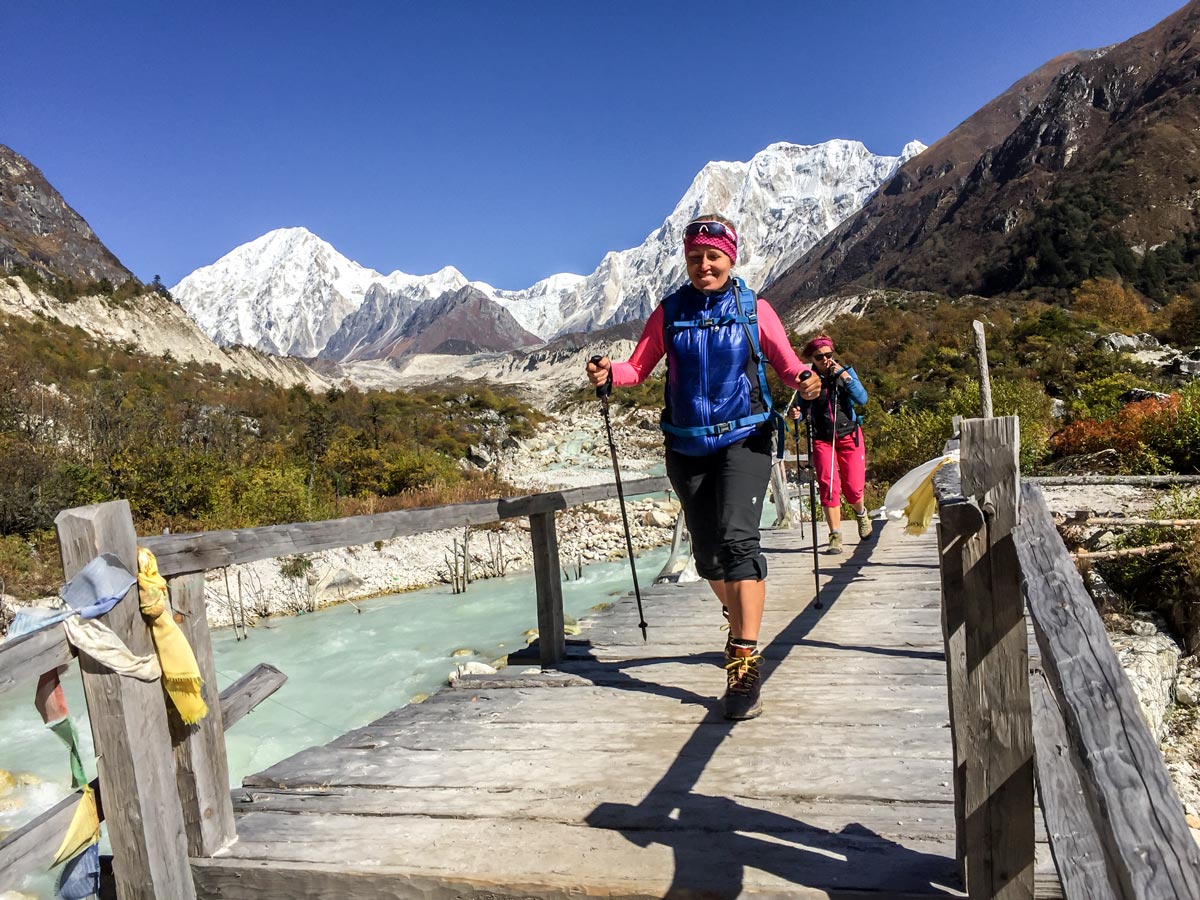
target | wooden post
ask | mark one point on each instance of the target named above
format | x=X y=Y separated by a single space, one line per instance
x=956 y=522
x=985 y=378
x=551 y=639
x=201 y=766
x=129 y=725
x=998 y=719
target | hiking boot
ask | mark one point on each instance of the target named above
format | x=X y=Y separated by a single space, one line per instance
x=741 y=700
x=864 y=525
x=835 y=543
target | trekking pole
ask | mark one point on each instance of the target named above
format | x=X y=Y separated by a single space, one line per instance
x=799 y=478
x=604 y=391
x=812 y=497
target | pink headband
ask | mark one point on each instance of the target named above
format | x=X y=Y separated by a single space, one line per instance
x=816 y=344
x=723 y=242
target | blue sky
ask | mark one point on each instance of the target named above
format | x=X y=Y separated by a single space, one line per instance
x=510 y=139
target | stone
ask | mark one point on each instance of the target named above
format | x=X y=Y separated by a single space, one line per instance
x=478 y=455
x=7 y=782
x=1186 y=694
x=463 y=651
x=1151 y=662
x=470 y=668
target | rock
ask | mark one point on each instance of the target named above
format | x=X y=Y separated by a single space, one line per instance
x=1143 y=628
x=1104 y=596
x=658 y=518
x=463 y=651
x=479 y=456
x=1127 y=343
x=1137 y=395
x=1151 y=663
x=1186 y=694
x=1193 y=821
x=7 y=782
x=470 y=668
x=419 y=698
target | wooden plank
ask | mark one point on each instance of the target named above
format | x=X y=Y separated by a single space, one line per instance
x=23 y=659
x=182 y=553
x=548 y=577
x=998 y=747
x=201 y=766
x=240 y=698
x=129 y=725
x=1071 y=825
x=654 y=861
x=1138 y=816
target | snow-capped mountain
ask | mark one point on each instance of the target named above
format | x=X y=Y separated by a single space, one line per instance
x=288 y=291
x=291 y=292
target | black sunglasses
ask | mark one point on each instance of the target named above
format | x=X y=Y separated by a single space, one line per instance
x=716 y=229
x=817 y=356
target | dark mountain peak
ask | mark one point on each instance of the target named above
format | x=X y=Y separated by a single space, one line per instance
x=38 y=230
x=1113 y=129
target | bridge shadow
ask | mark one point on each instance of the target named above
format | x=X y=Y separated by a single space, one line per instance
x=714 y=840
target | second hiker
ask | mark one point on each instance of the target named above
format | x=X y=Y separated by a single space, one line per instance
x=839 y=453
x=717 y=337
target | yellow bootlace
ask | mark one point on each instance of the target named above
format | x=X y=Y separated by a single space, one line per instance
x=743 y=671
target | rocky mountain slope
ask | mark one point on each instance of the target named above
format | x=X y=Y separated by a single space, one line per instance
x=291 y=292
x=157 y=327
x=1089 y=165
x=39 y=231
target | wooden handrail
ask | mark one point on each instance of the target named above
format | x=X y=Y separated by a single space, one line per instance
x=178 y=554
x=1135 y=815
x=1115 y=826
x=25 y=658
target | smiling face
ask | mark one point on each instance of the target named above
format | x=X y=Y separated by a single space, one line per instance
x=708 y=268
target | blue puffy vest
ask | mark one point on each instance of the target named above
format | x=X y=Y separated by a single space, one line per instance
x=716 y=391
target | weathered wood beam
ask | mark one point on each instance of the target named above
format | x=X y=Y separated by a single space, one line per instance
x=1070 y=823
x=1049 y=480
x=201 y=766
x=181 y=553
x=32 y=846
x=25 y=658
x=548 y=577
x=241 y=697
x=999 y=802
x=129 y=724
x=1137 y=814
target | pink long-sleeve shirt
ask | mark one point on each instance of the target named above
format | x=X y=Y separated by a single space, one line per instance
x=771 y=336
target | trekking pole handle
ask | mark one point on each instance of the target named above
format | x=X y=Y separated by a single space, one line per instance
x=605 y=389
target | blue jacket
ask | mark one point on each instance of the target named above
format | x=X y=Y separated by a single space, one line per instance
x=714 y=396
x=842 y=420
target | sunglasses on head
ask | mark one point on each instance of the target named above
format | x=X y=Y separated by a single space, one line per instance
x=820 y=356
x=716 y=229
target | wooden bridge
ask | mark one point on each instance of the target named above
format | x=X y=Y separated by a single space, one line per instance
x=896 y=756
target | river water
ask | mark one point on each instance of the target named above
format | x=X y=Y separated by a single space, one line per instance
x=345 y=668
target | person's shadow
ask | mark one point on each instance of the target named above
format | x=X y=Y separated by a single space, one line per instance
x=715 y=839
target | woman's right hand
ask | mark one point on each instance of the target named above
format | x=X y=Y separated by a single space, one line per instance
x=598 y=372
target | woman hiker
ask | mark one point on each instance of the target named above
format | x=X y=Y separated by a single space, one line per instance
x=839 y=453
x=716 y=335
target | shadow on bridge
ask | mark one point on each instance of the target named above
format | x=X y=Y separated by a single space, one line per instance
x=691 y=824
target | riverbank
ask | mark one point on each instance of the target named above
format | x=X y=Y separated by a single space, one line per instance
x=571 y=451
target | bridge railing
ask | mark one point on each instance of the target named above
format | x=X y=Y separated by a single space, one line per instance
x=164 y=786
x=1115 y=826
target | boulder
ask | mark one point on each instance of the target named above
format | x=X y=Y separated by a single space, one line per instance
x=1150 y=659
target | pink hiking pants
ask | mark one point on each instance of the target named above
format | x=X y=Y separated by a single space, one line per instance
x=849 y=475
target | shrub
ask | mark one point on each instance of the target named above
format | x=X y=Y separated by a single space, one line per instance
x=1112 y=305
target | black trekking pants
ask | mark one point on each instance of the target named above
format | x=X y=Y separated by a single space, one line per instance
x=722 y=496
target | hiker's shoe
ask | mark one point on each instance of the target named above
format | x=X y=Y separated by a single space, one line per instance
x=835 y=543
x=864 y=526
x=741 y=700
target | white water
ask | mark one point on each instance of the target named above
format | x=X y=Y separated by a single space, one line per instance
x=344 y=669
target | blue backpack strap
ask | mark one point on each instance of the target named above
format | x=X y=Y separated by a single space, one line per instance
x=748 y=319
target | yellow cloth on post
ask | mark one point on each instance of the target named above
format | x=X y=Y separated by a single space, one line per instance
x=181 y=674
x=921 y=504
x=84 y=830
